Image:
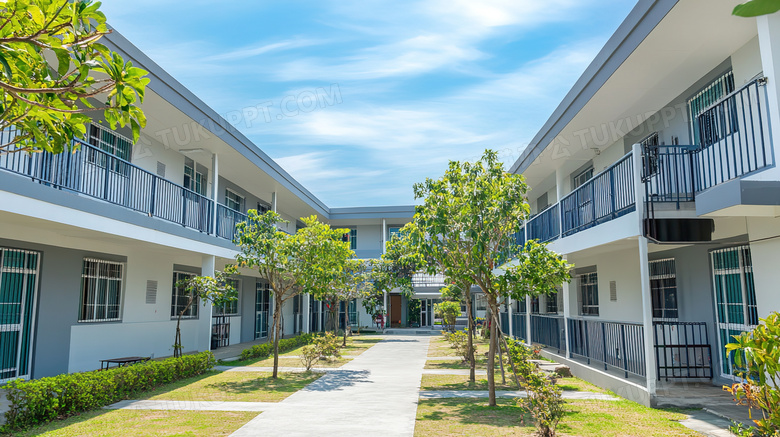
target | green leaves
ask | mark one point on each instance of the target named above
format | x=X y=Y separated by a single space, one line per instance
x=755 y=8
x=44 y=100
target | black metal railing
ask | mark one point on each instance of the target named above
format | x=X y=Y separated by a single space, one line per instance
x=227 y=219
x=504 y=320
x=548 y=330
x=93 y=172
x=614 y=344
x=545 y=226
x=220 y=332
x=668 y=173
x=682 y=350
x=519 y=327
x=607 y=196
x=735 y=137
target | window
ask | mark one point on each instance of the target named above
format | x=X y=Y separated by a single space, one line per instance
x=581 y=178
x=589 y=294
x=709 y=125
x=535 y=305
x=552 y=303
x=262 y=208
x=351 y=238
x=542 y=203
x=480 y=302
x=112 y=144
x=234 y=201
x=194 y=177
x=179 y=297
x=101 y=291
x=650 y=149
x=230 y=308
x=392 y=232
x=663 y=288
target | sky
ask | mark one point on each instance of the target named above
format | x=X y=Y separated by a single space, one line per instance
x=360 y=99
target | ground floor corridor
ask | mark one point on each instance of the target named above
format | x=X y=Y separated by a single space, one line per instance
x=375 y=391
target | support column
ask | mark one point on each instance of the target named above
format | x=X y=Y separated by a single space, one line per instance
x=384 y=311
x=306 y=313
x=769 y=46
x=384 y=236
x=647 y=317
x=528 y=319
x=215 y=190
x=208 y=264
x=565 y=289
x=510 y=303
x=273 y=201
x=561 y=178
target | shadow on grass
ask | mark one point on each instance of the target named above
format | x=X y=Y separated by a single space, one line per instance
x=167 y=388
x=339 y=379
x=286 y=383
x=475 y=412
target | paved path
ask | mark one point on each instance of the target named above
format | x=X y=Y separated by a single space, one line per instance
x=574 y=395
x=377 y=392
x=192 y=405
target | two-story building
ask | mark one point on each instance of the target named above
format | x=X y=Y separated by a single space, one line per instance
x=92 y=242
x=656 y=177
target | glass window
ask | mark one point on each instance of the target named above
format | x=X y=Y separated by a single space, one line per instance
x=589 y=294
x=581 y=178
x=234 y=201
x=663 y=288
x=351 y=238
x=193 y=179
x=180 y=297
x=552 y=303
x=101 y=291
x=708 y=124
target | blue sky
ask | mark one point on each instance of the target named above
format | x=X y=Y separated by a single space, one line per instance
x=359 y=99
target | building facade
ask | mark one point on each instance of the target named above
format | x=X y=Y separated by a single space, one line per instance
x=93 y=242
x=656 y=177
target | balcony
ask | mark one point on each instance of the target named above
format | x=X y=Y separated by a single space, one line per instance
x=735 y=142
x=92 y=172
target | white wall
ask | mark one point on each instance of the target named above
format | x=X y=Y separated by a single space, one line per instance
x=746 y=62
x=766 y=273
x=621 y=266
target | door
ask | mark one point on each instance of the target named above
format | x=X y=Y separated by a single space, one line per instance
x=395 y=310
x=735 y=298
x=262 y=307
x=19 y=271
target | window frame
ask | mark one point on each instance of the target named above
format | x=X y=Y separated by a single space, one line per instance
x=177 y=276
x=351 y=238
x=238 y=201
x=120 y=290
x=220 y=310
x=662 y=272
x=194 y=180
x=588 y=286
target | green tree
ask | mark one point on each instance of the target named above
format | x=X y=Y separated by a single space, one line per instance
x=306 y=260
x=462 y=292
x=754 y=8
x=53 y=72
x=394 y=270
x=352 y=282
x=214 y=290
x=448 y=310
x=467 y=221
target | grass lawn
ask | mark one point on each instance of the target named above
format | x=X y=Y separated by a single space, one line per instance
x=439 y=347
x=457 y=363
x=144 y=423
x=461 y=382
x=233 y=386
x=356 y=345
x=451 y=417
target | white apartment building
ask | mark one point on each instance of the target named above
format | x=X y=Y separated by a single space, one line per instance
x=656 y=177
x=92 y=242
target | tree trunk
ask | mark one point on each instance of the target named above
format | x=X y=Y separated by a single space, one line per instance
x=470 y=319
x=491 y=353
x=277 y=334
x=177 y=339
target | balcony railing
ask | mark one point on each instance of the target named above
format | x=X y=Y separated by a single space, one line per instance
x=616 y=344
x=93 y=172
x=548 y=330
x=545 y=226
x=227 y=219
x=519 y=327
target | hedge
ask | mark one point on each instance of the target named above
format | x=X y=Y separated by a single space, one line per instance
x=43 y=400
x=265 y=350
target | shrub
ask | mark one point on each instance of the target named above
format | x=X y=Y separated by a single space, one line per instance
x=328 y=346
x=544 y=401
x=449 y=310
x=757 y=359
x=265 y=350
x=521 y=356
x=42 y=400
x=309 y=356
x=459 y=341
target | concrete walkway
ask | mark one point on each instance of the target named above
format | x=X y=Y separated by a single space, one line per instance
x=376 y=392
x=469 y=394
